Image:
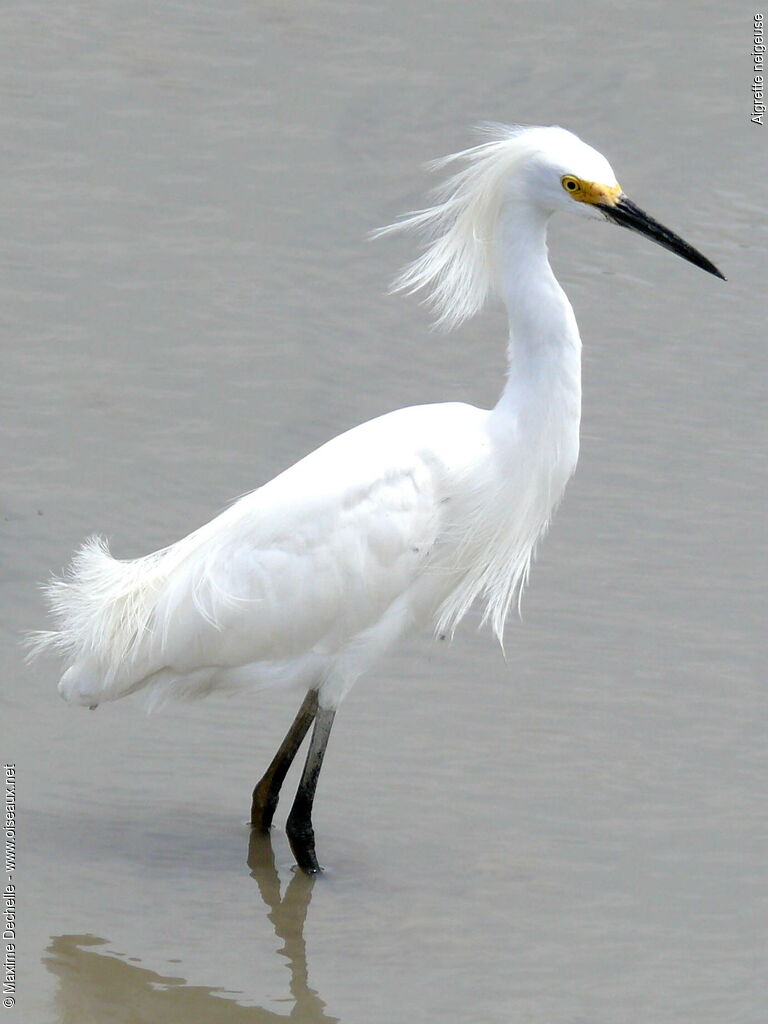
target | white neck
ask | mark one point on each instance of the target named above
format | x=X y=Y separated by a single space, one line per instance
x=544 y=350
x=533 y=431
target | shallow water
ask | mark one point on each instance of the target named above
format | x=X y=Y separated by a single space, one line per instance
x=575 y=836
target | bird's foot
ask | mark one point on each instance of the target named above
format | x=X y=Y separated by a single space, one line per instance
x=302 y=840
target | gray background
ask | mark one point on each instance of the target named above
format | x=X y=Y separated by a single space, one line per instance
x=189 y=304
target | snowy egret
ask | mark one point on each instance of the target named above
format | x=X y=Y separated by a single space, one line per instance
x=403 y=521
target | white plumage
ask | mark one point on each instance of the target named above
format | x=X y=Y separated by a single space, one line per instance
x=311 y=577
x=402 y=522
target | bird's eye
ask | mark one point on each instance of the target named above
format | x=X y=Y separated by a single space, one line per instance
x=570 y=184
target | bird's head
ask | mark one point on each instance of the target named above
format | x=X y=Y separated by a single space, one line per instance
x=560 y=172
x=520 y=171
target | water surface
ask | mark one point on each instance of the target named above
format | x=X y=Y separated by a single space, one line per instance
x=189 y=303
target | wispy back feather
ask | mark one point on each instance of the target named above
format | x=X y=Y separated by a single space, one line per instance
x=106 y=610
x=101 y=604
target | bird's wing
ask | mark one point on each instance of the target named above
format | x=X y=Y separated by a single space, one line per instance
x=305 y=563
x=310 y=559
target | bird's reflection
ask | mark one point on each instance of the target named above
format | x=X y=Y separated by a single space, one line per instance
x=288 y=915
x=103 y=988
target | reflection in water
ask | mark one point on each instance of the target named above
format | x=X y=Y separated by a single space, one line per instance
x=99 y=989
x=288 y=916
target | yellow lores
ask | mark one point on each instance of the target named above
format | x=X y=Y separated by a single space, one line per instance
x=591 y=191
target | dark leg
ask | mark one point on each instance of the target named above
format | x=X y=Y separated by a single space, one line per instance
x=267 y=791
x=299 y=826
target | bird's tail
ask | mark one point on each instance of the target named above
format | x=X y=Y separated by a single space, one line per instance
x=103 y=609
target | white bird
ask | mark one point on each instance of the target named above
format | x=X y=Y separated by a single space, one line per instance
x=402 y=522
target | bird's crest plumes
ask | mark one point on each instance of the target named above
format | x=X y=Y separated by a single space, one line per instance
x=458 y=266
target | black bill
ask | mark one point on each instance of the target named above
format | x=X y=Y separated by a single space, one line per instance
x=625 y=213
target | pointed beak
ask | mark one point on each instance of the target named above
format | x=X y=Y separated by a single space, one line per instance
x=624 y=212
